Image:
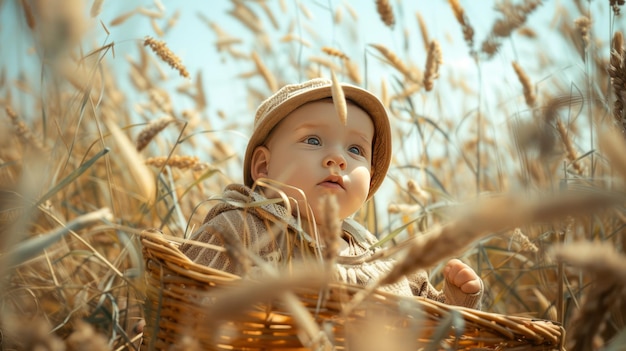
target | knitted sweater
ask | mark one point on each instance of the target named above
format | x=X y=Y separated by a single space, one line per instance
x=245 y=220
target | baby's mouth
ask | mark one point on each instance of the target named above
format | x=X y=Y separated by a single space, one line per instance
x=333 y=182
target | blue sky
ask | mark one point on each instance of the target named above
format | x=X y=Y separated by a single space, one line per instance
x=549 y=59
x=193 y=41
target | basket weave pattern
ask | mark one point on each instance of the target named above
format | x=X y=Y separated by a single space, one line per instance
x=180 y=293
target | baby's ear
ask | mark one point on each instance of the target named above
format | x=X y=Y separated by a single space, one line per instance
x=259 y=162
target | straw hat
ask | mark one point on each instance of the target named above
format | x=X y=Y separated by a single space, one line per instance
x=292 y=96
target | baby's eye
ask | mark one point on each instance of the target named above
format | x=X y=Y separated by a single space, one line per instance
x=356 y=150
x=312 y=141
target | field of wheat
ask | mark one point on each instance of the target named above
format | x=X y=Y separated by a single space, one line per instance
x=508 y=123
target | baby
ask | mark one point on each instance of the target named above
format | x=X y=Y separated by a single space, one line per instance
x=301 y=152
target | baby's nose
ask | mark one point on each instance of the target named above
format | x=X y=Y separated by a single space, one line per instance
x=335 y=158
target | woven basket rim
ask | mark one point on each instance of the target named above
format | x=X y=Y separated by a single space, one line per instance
x=164 y=260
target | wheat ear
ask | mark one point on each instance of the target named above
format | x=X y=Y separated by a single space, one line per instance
x=386 y=12
x=529 y=94
x=150 y=131
x=159 y=48
x=468 y=30
x=433 y=61
x=617 y=72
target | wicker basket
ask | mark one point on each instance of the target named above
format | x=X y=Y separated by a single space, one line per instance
x=180 y=295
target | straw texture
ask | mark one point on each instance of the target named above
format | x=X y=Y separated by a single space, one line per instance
x=186 y=301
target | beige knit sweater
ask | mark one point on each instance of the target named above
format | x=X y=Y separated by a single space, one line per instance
x=245 y=220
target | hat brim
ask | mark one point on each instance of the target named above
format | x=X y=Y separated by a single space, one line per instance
x=381 y=154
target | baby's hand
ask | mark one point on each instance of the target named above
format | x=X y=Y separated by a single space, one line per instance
x=462 y=276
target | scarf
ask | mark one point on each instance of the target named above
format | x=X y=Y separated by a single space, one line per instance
x=251 y=228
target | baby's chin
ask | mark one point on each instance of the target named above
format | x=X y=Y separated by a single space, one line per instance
x=325 y=212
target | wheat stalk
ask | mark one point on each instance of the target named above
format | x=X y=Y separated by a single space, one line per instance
x=396 y=62
x=325 y=62
x=612 y=146
x=461 y=18
x=488 y=216
x=96 y=8
x=584 y=27
x=423 y=30
x=269 y=14
x=515 y=16
x=607 y=266
x=615 y=6
x=339 y=99
x=527 y=32
x=122 y=18
x=433 y=61
x=525 y=244
x=133 y=162
x=330 y=229
x=415 y=189
x=161 y=49
x=24 y=134
x=151 y=130
x=305 y=10
x=247 y=17
x=338 y=17
x=172 y=21
x=177 y=161
x=385 y=11
x=617 y=72
x=267 y=75
x=571 y=153
x=353 y=71
x=292 y=37
x=529 y=94
x=149 y=13
x=334 y=52
x=156 y=28
x=384 y=92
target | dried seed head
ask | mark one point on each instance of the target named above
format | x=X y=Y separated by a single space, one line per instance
x=330 y=228
x=615 y=4
x=584 y=26
x=339 y=99
x=267 y=75
x=247 y=17
x=151 y=130
x=423 y=30
x=571 y=153
x=96 y=7
x=416 y=190
x=617 y=72
x=159 y=48
x=468 y=30
x=433 y=61
x=525 y=244
x=176 y=161
x=24 y=133
x=514 y=16
x=122 y=18
x=292 y=37
x=334 y=52
x=386 y=12
x=396 y=62
x=353 y=71
x=529 y=94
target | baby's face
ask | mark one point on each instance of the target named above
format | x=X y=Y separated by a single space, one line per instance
x=312 y=150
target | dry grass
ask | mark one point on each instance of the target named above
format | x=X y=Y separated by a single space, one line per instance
x=527 y=191
x=385 y=11
x=161 y=49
